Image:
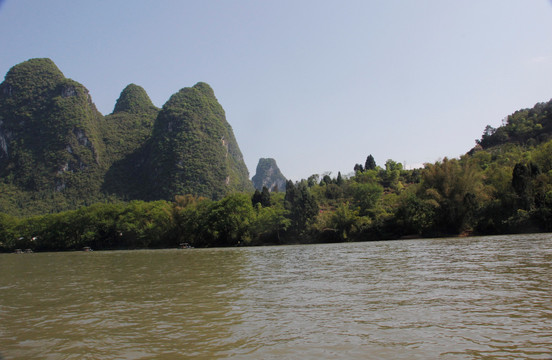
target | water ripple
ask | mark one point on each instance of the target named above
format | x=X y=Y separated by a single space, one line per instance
x=473 y=298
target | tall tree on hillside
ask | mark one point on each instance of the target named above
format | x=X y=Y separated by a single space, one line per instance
x=370 y=163
x=256 y=198
x=339 y=180
x=265 y=197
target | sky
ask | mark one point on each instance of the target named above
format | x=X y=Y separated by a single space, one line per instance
x=317 y=85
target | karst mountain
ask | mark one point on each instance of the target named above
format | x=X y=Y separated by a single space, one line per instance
x=58 y=152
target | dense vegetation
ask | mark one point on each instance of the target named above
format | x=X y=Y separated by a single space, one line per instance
x=506 y=189
x=57 y=152
x=525 y=127
x=503 y=185
x=193 y=149
x=52 y=153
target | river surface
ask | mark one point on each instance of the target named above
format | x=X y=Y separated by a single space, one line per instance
x=461 y=298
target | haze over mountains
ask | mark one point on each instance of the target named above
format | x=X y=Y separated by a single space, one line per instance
x=58 y=152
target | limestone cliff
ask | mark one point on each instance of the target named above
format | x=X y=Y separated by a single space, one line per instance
x=268 y=174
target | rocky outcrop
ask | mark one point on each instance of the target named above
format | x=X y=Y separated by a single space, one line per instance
x=268 y=174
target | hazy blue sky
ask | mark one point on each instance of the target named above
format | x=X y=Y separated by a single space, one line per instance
x=317 y=85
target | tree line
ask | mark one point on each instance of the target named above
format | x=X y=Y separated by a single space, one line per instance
x=506 y=189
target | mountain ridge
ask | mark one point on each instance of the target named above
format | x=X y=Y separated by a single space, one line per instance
x=55 y=144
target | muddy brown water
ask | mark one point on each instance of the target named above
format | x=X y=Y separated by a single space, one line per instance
x=461 y=298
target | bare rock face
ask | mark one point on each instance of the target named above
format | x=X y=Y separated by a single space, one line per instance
x=268 y=175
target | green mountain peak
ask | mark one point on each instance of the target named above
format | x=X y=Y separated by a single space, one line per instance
x=135 y=100
x=50 y=133
x=57 y=152
x=268 y=175
x=205 y=89
x=31 y=79
x=194 y=150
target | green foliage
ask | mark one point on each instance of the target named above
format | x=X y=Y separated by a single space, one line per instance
x=527 y=126
x=491 y=193
x=343 y=220
x=365 y=196
x=261 y=198
x=191 y=221
x=193 y=149
x=269 y=224
x=49 y=127
x=64 y=168
x=265 y=197
x=339 y=181
x=256 y=198
x=522 y=182
x=415 y=215
x=57 y=152
x=455 y=189
x=134 y=100
x=370 y=163
x=230 y=219
x=301 y=205
x=101 y=226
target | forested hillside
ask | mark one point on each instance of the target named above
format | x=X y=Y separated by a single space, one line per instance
x=502 y=185
x=524 y=127
x=53 y=152
x=57 y=152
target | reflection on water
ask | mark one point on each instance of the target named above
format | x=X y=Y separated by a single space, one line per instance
x=473 y=298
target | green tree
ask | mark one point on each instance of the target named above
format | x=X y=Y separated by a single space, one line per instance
x=522 y=182
x=192 y=221
x=456 y=190
x=365 y=196
x=415 y=215
x=339 y=180
x=301 y=205
x=370 y=163
x=230 y=219
x=256 y=198
x=268 y=224
x=265 y=197
x=343 y=220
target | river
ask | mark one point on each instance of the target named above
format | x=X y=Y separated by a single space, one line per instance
x=453 y=298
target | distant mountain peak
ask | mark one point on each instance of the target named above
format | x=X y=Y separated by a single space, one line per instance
x=268 y=174
x=31 y=78
x=205 y=88
x=135 y=100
